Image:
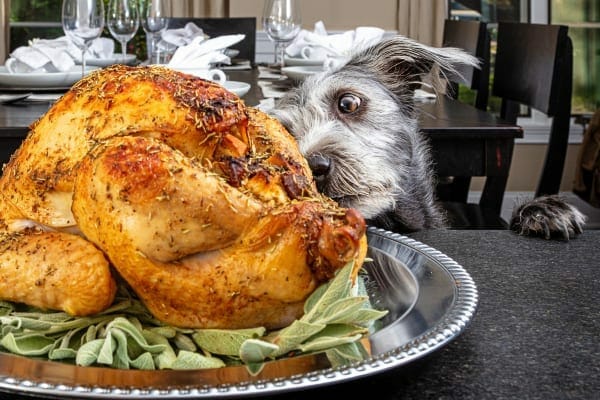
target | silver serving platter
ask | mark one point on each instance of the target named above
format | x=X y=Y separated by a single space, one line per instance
x=430 y=298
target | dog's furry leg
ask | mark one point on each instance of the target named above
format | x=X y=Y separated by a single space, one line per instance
x=547 y=216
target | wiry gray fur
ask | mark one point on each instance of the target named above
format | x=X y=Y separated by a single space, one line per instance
x=379 y=162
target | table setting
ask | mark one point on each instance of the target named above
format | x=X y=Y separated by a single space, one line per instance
x=303 y=53
x=54 y=65
x=312 y=51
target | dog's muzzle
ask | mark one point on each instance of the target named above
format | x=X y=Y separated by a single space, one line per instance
x=320 y=167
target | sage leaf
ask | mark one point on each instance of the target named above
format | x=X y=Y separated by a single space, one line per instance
x=225 y=342
x=121 y=353
x=166 y=331
x=105 y=356
x=23 y=323
x=165 y=358
x=346 y=354
x=144 y=362
x=326 y=342
x=333 y=335
x=292 y=336
x=256 y=351
x=339 y=287
x=190 y=360
x=183 y=342
x=88 y=352
x=364 y=317
x=33 y=344
x=255 y=368
x=6 y=307
x=62 y=354
x=341 y=310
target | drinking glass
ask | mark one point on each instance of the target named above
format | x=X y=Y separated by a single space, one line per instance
x=154 y=21
x=82 y=22
x=281 y=21
x=122 y=21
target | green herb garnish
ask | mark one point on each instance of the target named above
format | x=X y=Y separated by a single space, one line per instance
x=127 y=336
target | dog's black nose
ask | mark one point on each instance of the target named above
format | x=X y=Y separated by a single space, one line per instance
x=319 y=165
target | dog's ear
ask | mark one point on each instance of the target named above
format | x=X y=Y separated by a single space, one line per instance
x=402 y=63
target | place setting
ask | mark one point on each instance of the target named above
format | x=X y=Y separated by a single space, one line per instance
x=316 y=51
x=190 y=50
x=56 y=64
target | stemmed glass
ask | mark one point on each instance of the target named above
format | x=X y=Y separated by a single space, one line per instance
x=154 y=21
x=122 y=21
x=281 y=21
x=82 y=22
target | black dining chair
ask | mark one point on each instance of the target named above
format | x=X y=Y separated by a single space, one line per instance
x=226 y=26
x=473 y=37
x=533 y=68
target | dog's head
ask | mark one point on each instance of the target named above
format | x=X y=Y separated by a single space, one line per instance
x=357 y=127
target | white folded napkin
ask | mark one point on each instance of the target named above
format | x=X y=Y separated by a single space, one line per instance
x=41 y=55
x=334 y=45
x=201 y=52
x=182 y=36
x=100 y=48
x=55 y=55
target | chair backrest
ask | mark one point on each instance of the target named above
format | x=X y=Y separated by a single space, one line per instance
x=473 y=37
x=534 y=67
x=226 y=26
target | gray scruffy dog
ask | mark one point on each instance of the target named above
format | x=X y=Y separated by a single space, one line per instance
x=356 y=125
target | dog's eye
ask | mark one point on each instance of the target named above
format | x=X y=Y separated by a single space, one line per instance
x=348 y=103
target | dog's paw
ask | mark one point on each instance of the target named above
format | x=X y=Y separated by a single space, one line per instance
x=547 y=216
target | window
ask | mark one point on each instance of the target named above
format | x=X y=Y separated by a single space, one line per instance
x=581 y=16
x=30 y=19
x=34 y=19
x=583 y=19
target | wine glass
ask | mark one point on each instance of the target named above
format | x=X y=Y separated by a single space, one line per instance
x=282 y=22
x=122 y=21
x=82 y=22
x=154 y=22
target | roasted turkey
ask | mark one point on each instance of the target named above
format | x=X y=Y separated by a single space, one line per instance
x=203 y=206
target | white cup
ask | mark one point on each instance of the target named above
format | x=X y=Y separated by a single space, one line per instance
x=313 y=52
x=214 y=74
x=15 y=66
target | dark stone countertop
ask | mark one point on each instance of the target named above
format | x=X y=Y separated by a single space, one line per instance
x=535 y=334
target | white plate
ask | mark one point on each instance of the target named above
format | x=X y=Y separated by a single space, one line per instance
x=42 y=79
x=430 y=299
x=239 y=88
x=116 y=58
x=301 y=72
x=297 y=61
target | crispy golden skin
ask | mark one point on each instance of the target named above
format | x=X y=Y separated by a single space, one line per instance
x=204 y=206
x=38 y=266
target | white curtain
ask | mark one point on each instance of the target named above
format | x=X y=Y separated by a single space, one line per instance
x=4 y=37
x=422 y=20
x=200 y=8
